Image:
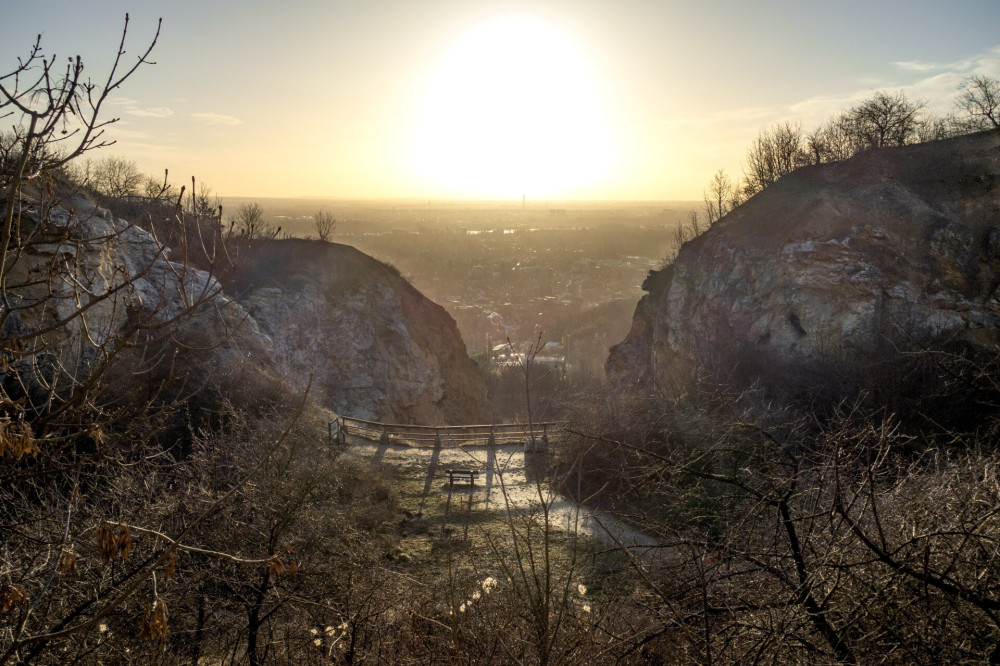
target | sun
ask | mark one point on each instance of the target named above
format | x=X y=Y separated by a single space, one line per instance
x=513 y=110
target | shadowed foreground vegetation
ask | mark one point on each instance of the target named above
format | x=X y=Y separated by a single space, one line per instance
x=164 y=499
x=806 y=532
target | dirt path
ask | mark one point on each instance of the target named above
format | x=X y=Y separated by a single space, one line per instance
x=508 y=481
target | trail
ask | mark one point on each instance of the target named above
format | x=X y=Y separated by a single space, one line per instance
x=509 y=480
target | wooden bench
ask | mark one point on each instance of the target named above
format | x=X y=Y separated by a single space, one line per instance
x=462 y=475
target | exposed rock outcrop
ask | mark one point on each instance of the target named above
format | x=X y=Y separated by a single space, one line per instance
x=833 y=264
x=374 y=346
x=83 y=284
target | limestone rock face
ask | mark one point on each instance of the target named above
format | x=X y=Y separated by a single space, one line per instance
x=82 y=283
x=375 y=347
x=832 y=263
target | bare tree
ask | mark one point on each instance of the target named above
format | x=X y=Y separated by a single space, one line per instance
x=833 y=141
x=325 y=224
x=116 y=177
x=979 y=98
x=250 y=222
x=688 y=230
x=87 y=306
x=882 y=120
x=816 y=145
x=721 y=197
x=57 y=115
x=776 y=151
x=793 y=537
x=885 y=119
x=932 y=127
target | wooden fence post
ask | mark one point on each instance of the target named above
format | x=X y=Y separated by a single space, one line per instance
x=336 y=431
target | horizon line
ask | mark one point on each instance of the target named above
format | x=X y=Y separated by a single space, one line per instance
x=518 y=201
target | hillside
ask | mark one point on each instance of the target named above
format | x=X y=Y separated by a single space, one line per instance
x=830 y=272
x=375 y=346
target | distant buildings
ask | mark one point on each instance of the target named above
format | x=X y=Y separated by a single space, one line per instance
x=518 y=354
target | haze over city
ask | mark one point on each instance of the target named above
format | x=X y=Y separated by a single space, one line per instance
x=549 y=100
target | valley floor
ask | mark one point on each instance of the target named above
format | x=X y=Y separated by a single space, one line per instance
x=510 y=482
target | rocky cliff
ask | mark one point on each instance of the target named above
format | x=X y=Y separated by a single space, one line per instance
x=83 y=284
x=832 y=265
x=374 y=345
x=80 y=284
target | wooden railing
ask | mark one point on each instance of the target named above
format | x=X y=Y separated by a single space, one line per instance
x=537 y=436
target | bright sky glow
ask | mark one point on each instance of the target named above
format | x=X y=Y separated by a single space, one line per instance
x=587 y=99
x=513 y=108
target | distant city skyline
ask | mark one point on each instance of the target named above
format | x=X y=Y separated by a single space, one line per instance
x=558 y=99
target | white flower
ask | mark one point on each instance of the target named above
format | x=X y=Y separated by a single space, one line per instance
x=329 y=631
x=489 y=584
x=461 y=609
x=318 y=642
x=476 y=595
x=314 y=631
x=102 y=627
x=582 y=589
x=586 y=608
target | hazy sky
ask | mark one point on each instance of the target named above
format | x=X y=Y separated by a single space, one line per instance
x=624 y=99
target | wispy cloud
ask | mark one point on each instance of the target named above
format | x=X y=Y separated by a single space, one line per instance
x=933 y=83
x=154 y=112
x=719 y=136
x=217 y=119
x=132 y=108
x=982 y=61
x=815 y=110
x=916 y=66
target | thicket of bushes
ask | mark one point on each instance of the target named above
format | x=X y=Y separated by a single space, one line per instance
x=158 y=508
x=804 y=530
